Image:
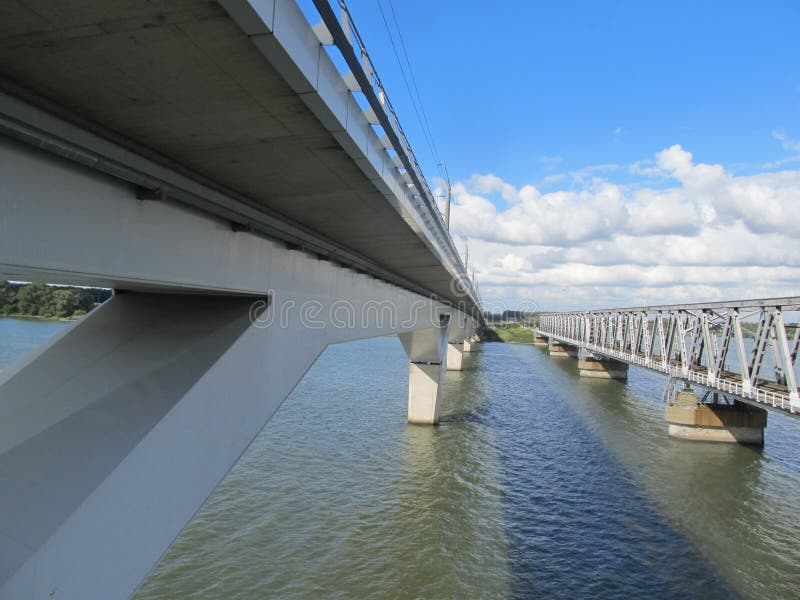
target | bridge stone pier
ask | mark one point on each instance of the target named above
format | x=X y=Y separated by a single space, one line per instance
x=561 y=349
x=602 y=368
x=250 y=204
x=738 y=422
x=539 y=339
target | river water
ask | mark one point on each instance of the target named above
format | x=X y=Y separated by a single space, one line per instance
x=536 y=484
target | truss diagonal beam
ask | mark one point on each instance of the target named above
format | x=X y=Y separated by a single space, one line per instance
x=707 y=344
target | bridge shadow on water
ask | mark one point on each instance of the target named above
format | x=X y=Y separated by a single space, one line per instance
x=578 y=524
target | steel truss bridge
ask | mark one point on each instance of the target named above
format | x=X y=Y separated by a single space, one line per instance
x=700 y=343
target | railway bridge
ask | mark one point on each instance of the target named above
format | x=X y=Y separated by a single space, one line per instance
x=742 y=353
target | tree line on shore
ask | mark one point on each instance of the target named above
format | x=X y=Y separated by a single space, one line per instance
x=48 y=301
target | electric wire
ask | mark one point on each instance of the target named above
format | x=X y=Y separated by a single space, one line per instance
x=427 y=126
x=425 y=131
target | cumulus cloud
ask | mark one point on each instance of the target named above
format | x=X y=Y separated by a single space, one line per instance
x=706 y=234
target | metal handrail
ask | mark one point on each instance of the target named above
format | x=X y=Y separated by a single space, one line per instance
x=348 y=40
x=686 y=337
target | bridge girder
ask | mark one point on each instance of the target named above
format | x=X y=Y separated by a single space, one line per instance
x=682 y=341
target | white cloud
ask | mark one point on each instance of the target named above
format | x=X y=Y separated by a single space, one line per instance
x=789 y=145
x=549 y=160
x=580 y=175
x=488 y=184
x=709 y=236
x=662 y=211
x=554 y=178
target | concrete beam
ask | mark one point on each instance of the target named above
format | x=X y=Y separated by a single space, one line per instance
x=92 y=417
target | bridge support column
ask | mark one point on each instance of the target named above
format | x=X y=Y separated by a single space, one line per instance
x=467 y=347
x=455 y=357
x=738 y=423
x=539 y=339
x=427 y=351
x=560 y=349
x=424 y=392
x=114 y=434
x=602 y=368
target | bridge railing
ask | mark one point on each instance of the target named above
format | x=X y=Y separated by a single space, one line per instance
x=345 y=36
x=704 y=343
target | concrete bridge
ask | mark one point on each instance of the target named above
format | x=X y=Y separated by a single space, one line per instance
x=701 y=344
x=250 y=204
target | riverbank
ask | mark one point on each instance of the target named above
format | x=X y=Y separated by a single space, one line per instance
x=515 y=335
x=40 y=318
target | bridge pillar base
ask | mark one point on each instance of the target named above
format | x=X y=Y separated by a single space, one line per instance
x=468 y=345
x=539 y=340
x=455 y=357
x=737 y=423
x=560 y=349
x=427 y=351
x=424 y=393
x=603 y=368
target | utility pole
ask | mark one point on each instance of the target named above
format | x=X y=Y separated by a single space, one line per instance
x=447 y=198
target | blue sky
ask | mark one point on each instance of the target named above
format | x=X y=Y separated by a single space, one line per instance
x=569 y=127
x=506 y=83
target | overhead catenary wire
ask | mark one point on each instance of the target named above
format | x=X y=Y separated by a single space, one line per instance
x=427 y=126
x=415 y=101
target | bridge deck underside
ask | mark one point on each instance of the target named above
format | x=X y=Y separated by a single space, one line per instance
x=182 y=81
x=763 y=392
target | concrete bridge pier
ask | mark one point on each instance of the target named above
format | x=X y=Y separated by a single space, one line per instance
x=602 y=368
x=539 y=339
x=458 y=334
x=470 y=341
x=734 y=423
x=561 y=349
x=427 y=351
x=455 y=356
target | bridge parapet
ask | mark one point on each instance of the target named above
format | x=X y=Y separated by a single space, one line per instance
x=363 y=77
x=705 y=343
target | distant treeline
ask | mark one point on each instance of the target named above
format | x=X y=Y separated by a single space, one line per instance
x=509 y=316
x=50 y=302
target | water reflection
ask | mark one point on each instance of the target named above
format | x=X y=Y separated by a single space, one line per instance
x=453 y=513
x=580 y=525
x=537 y=483
x=736 y=503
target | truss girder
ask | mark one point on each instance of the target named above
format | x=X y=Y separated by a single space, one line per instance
x=704 y=344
